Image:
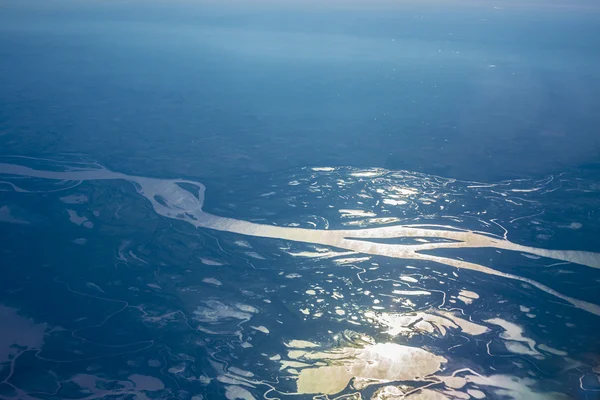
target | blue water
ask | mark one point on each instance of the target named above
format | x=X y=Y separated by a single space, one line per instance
x=450 y=117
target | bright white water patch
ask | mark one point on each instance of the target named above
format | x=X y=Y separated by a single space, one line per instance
x=320 y=254
x=356 y=213
x=367 y=174
x=171 y=200
x=212 y=281
x=393 y=202
x=515 y=342
x=436 y=321
x=323 y=169
x=261 y=328
x=476 y=394
x=404 y=191
x=214 y=311
x=467 y=296
x=301 y=344
x=241 y=372
x=246 y=308
x=369 y=364
x=207 y=261
x=153 y=286
x=411 y=292
x=351 y=260
x=233 y=392
x=409 y=279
